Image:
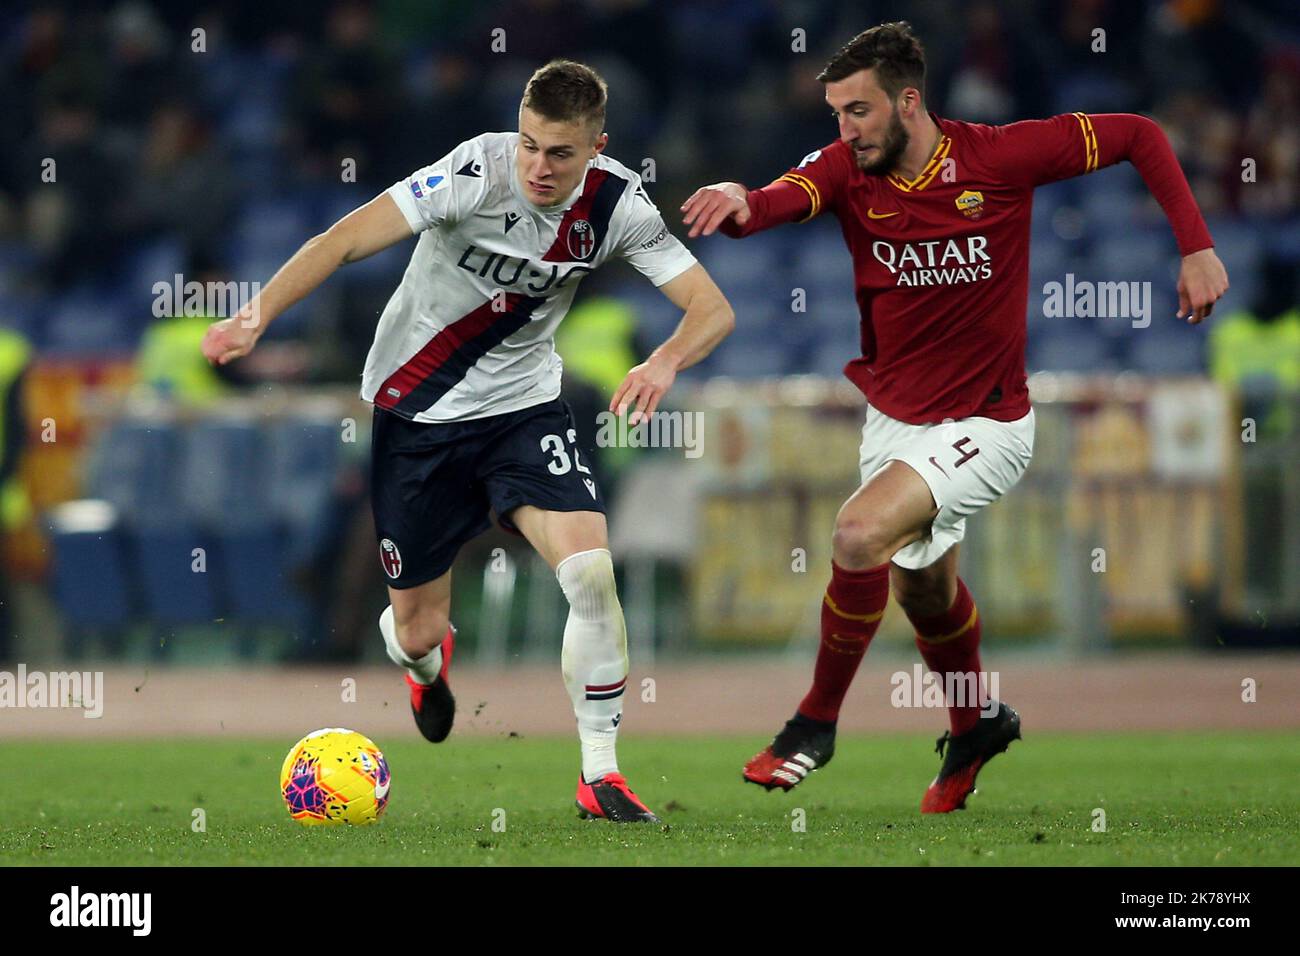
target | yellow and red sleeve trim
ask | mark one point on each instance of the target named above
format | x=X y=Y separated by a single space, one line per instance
x=1089 y=142
x=808 y=186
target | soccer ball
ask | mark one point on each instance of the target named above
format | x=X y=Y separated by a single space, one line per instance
x=335 y=776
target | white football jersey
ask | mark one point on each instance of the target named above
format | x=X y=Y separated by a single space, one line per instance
x=470 y=330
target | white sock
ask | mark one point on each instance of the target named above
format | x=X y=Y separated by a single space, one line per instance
x=594 y=656
x=425 y=669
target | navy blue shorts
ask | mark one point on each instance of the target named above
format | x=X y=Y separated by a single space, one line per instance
x=434 y=484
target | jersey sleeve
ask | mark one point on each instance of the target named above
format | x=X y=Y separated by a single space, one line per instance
x=445 y=192
x=802 y=193
x=820 y=174
x=1034 y=152
x=645 y=241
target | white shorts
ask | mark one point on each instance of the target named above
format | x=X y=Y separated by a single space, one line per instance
x=968 y=463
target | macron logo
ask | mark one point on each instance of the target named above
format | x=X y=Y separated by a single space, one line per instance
x=102 y=909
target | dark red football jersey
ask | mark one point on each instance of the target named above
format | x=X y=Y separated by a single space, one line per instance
x=941 y=263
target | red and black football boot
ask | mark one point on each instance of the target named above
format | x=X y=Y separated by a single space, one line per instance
x=802 y=746
x=967 y=754
x=432 y=704
x=610 y=798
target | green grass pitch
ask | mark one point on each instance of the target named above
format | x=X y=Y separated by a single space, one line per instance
x=1175 y=799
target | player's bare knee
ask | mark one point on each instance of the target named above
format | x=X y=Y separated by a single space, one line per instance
x=857 y=543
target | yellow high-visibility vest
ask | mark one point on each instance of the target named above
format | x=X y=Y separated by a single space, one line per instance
x=171 y=360
x=15 y=354
x=1242 y=348
x=595 y=342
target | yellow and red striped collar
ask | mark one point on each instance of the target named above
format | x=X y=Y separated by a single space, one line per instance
x=931 y=169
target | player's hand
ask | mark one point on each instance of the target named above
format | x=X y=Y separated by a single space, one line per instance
x=642 y=389
x=1201 y=282
x=710 y=206
x=231 y=338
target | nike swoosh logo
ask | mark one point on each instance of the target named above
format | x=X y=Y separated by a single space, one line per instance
x=937 y=465
x=872 y=214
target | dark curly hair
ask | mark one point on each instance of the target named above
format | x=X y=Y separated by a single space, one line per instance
x=891 y=49
x=564 y=91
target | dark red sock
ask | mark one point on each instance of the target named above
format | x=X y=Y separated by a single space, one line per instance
x=851 y=611
x=949 y=644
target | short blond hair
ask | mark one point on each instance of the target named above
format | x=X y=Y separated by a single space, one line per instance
x=565 y=91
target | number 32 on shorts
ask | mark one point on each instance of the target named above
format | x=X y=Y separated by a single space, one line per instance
x=561 y=464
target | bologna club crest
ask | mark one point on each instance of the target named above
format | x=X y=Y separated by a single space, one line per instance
x=390 y=558
x=581 y=239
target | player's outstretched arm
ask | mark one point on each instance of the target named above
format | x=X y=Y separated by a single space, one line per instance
x=361 y=233
x=708 y=320
x=1202 y=279
x=1042 y=151
x=737 y=212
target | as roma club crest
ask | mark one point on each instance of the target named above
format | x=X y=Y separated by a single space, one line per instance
x=581 y=239
x=390 y=558
x=971 y=203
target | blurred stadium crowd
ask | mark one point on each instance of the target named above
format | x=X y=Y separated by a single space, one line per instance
x=223 y=161
x=214 y=154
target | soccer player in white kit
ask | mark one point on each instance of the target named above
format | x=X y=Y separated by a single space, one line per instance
x=465 y=380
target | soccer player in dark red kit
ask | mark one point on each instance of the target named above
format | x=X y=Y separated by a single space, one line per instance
x=936 y=214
